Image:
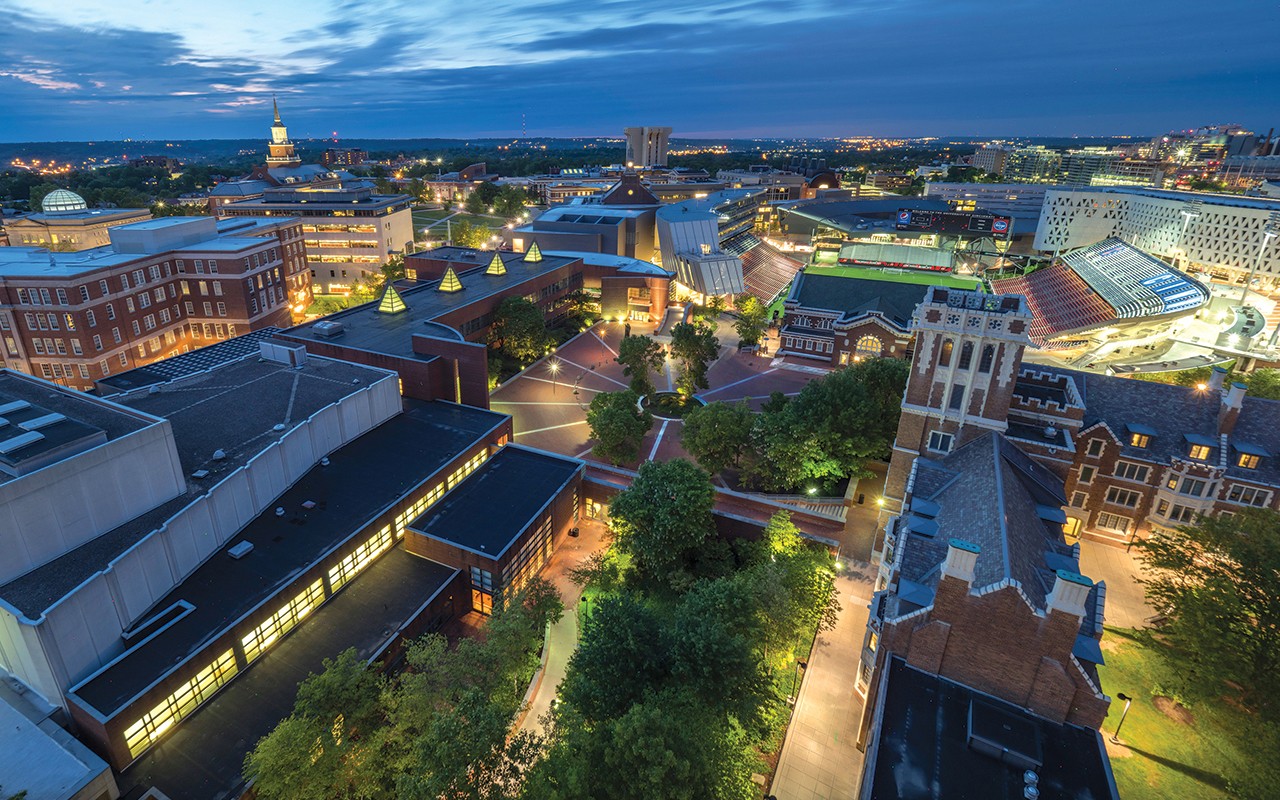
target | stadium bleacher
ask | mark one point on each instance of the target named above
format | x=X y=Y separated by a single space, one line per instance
x=766 y=271
x=1060 y=301
x=1135 y=283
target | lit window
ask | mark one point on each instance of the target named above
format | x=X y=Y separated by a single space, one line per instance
x=1248 y=461
x=140 y=735
x=1139 y=439
x=1200 y=452
x=283 y=621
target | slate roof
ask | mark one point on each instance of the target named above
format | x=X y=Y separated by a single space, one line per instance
x=855 y=297
x=990 y=493
x=1175 y=412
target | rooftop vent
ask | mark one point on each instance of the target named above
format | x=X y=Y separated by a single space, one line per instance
x=18 y=442
x=219 y=454
x=241 y=550
x=16 y=405
x=42 y=422
x=329 y=328
x=200 y=473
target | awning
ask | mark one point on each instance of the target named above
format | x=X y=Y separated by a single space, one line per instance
x=1145 y=430
x=1195 y=438
x=915 y=593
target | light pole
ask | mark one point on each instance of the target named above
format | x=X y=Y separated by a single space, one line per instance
x=1115 y=737
x=553 y=367
x=795 y=692
x=1267 y=236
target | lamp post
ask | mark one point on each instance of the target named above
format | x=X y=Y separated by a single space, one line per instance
x=1257 y=261
x=1115 y=737
x=553 y=367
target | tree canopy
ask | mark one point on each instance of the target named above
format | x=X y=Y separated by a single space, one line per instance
x=694 y=344
x=1216 y=582
x=663 y=521
x=640 y=355
x=519 y=330
x=718 y=434
x=752 y=321
x=618 y=425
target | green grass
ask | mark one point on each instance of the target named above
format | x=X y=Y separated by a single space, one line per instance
x=919 y=277
x=1166 y=758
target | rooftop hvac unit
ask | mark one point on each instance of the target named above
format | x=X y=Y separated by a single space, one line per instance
x=328 y=328
x=241 y=550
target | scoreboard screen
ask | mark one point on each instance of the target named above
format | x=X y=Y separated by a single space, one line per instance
x=954 y=223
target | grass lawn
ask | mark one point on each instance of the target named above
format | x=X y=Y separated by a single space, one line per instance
x=1161 y=757
x=920 y=277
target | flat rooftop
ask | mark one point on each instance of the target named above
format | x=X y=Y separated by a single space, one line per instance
x=925 y=746
x=857 y=294
x=186 y=364
x=234 y=408
x=473 y=517
x=363 y=479
x=203 y=756
x=46 y=761
x=366 y=328
x=83 y=415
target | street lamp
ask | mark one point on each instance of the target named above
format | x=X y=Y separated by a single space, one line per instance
x=795 y=693
x=553 y=367
x=1115 y=737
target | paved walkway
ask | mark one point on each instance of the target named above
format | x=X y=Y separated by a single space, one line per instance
x=1126 y=605
x=819 y=757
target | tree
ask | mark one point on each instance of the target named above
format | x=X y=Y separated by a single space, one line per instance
x=468 y=234
x=640 y=355
x=752 y=321
x=1265 y=383
x=832 y=427
x=622 y=655
x=519 y=330
x=717 y=434
x=696 y=346
x=316 y=751
x=663 y=521
x=618 y=425
x=1215 y=581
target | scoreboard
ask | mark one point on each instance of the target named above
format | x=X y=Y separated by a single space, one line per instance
x=954 y=223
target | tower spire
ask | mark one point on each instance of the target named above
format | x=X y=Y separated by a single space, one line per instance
x=276 y=108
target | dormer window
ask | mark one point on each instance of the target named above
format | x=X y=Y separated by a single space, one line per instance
x=1201 y=446
x=1249 y=456
x=1200 y=452
x=1139 y=440
x=1248 y=461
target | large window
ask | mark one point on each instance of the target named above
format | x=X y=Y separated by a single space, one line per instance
x=1123 y=497
x=141 y=734
x=1114 y=522
x=1248 y=495
x=940 y=442
x=1095 y=447
x=1192 y=487
x=281 y=622
x=530 y=558
x=466 y=469
x=1132 y=471
x=420 y=505
x=868 y=347
x=361 y=557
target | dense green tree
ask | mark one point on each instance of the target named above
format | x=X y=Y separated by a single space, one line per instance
x=465 y=233
x=623 y=655
x=832 y=427
x=752 y=321
x=1216 y=582
x=640 y=355
x=618 y=425
x=663 y=521
x=695 y=346
x=1265 y=383
x=718 y=434
x=318 y=751
x=519 y=330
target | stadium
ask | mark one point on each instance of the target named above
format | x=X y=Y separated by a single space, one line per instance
x=1108 y=298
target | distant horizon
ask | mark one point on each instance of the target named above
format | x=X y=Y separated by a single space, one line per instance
x=566 y=68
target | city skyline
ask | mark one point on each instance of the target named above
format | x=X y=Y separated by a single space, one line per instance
x=451 y=70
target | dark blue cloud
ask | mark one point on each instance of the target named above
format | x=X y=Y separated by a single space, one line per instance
x=575 y=67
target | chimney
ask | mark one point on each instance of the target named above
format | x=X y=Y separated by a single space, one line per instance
x=1216 y=379
x=1070 y=591
x=1232 y=402
x=962 y=560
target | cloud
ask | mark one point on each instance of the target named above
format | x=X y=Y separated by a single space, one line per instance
x=466 y=68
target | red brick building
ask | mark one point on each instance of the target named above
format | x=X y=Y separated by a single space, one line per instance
x=839 y=320
x=162 y=287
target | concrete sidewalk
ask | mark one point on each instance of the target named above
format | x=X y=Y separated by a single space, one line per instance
x=562 y=640
x=1126 y=605
x=819 y=759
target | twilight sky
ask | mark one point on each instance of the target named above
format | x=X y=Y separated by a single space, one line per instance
x=110 y=69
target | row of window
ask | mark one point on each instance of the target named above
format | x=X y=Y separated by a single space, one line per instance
x=154 y=723
x=1197 y=452
x=278 y=624
x=1240 y=494
x=361 y=557
x=792 y=343
x=966 y=355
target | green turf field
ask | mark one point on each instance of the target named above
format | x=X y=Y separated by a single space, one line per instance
x=898 y=276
